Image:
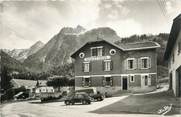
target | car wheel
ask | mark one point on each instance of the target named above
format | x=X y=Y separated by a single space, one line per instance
x=98 y=99
x=84 y=102
x=67 y=102
x=72 y=103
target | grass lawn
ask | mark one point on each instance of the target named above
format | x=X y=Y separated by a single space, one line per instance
x=144 y=104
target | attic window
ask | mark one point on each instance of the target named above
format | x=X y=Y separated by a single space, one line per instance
x=81 y=55
x=97 y=51
x=112 y=51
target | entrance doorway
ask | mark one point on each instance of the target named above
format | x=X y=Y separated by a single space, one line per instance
x=170 y=81
x=178 y=79
x=125 y=83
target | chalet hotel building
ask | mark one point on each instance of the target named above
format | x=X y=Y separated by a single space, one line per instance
x=111 y=68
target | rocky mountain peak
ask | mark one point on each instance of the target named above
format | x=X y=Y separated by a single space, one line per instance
x=22 y=54
x=72 y=31
x=38 y=44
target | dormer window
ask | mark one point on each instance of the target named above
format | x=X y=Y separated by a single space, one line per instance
x=97 y=51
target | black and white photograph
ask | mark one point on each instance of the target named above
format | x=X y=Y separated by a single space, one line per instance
x=90 y=58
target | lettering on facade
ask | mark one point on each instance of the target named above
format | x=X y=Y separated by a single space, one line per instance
x=96 y=58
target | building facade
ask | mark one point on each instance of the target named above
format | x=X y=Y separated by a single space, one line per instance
x=173 y=56
x=111 y=68
x=29 y=85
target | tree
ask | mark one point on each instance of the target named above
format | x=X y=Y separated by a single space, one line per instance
x=5 y=78
x=60 y=82
x=64 y=70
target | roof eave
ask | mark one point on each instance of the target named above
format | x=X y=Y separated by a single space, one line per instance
x=144 y=48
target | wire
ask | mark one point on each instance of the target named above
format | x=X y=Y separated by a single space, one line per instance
x=162 y=9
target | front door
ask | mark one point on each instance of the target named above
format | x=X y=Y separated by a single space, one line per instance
x=178 y=87
x=144 y=81
x=170 y=81
x=125 y=83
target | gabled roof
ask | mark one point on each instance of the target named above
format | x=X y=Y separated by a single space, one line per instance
x=176 y=28
x=139 y=45
x=27 y=83
x=124 y=46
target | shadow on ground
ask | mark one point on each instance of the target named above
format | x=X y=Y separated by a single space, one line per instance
x=144 y=104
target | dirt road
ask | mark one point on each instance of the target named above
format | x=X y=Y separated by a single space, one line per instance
x=59 y=109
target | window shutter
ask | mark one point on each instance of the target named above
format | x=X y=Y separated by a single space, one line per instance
x=149 y=80
x=103 y=51
x=135 y=64
x=103 y=81
x=83 y=67
x=103 y=65
x=90 y=67
x=139 y=63
x=149 y=62
x=90 y=82
x=126 y=64
x=96 y=52
x=111 y=81
x=83 y=82
x=111 y=65
x=129 y=77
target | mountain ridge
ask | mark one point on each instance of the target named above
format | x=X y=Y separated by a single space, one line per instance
x=22 y=54
x=57 y=50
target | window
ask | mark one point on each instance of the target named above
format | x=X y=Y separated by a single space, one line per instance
x=94 y=51
x=179 y=48
x=107 y=65
x=131 y=63
x=86 y=67
x=86 y=81
x=107 y=81
x=145 y=62
x=81 y=55
x=97 y=51
x=132 y=78
x=112 y=52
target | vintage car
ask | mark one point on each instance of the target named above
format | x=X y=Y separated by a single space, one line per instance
x=95 y=95
x=82 y=98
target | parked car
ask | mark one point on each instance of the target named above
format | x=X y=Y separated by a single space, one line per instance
x=93 y=93
x=78 y=98
x=50 y=96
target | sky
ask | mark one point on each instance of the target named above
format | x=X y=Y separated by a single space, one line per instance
x=22 y=23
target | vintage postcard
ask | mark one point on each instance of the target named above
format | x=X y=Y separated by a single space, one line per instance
x=91 y=58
